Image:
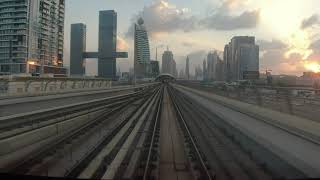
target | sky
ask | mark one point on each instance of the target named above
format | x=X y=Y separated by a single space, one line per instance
x=287 y=31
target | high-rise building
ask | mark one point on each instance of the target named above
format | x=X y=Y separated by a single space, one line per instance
x=248 y=61
x=77 y=44
x=107 y=52
x=219 y=76
x=212 y=59
x=31 y=36
x=227 y=63
x=198 y=73
x=168 y=63
x=107 y=66
x=181 y=74
x=141 y=50
x=154 y=69
x=241 y=58
x=187 y=68
x=174 y=71
x=205 y=72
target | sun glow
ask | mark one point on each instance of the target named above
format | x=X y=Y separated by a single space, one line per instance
x=299 y=43
x=282 y=16
x=312 y=66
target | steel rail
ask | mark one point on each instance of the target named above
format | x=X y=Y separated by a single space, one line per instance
x=24 y=165
x=180 y=116
x=9 y=122
x=141 y=119
x=73 y=93
x=300 y=133
x=23 y=131
x=214 y=131
x=79 y=167
x=158 y=114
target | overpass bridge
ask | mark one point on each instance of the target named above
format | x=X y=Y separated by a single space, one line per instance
x=162 y=130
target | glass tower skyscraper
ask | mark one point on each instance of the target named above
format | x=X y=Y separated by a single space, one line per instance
x=141 y=51
x=107 y=66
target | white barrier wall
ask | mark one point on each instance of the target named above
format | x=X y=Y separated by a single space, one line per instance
x=42 y=86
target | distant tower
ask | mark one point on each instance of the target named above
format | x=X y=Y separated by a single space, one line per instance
x=77 y=47
x=107 y=44
x=107 y=47
x=141 y=50
x=168 y=63
x=187 y=69
x=205 y=70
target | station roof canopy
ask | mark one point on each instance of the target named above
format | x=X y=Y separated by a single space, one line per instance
x=165 y=76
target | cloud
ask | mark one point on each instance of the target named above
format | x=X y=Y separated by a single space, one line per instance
x=274 y=56
x=222 y=18
x=315 y=46
x=122 y=45
x=311 y=21
x=162 y=17
x=187 y=44
x=218 y=21
x=271 y=45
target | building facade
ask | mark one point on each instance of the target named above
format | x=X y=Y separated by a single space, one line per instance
x=107 y=66
x=154 y=69
x=141 y=51
x=77 y=44
x=205 y=72
x=107 y=47
x=219 y=73
x=187 y=68
x=32 y=36
x=212 y=60
x=248 y=61
x=241 y=58
x=168 y=63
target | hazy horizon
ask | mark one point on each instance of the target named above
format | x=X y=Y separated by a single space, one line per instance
x=287 y=31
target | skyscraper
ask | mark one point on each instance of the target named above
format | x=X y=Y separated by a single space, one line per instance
x=187 y=68
x=31 y=35
x=168 y=63
x=154 y=68
x=107 y=66
x=106 y=54
x=219 y=73
x=205 y=73
x=248 y=61
x=241 y=58
x=227 y=63
x=77 y=44
x=212 y=59
x=141 y=51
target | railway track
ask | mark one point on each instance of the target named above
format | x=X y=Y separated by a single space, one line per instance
x=40 y=144
x=106 y=161
x=233 y=157
x=199 y=160
x=158 y=133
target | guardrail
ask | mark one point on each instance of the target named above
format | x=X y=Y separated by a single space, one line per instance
x=283 y=99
